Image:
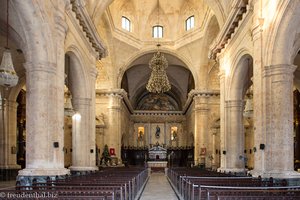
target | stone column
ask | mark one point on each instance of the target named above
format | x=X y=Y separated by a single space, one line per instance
x=235 y=136
x=92 y=132
x=8 y=149
x=223 y=140
x=81 y=137
x=201 y=129
x=44 y=122
x=114 y=123
x=45 y=102
x=276 y=148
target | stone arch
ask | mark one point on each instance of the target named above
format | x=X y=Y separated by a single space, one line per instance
x=284 y=41
x=38 y=42
x=141 y=53
x=218 y=9
x=79 y=75
x=14 y=92
x=211 y=31
x=240 y=76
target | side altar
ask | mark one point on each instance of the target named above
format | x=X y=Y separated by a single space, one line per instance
x=157 y=157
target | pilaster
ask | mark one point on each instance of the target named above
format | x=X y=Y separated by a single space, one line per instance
x=259 y=91
x=92 y=132
x=234 y=134
x=81 y=144
x=223 y=141
x=114 y=123
x=201 y=130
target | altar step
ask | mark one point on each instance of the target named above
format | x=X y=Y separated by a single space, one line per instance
x=158 y=188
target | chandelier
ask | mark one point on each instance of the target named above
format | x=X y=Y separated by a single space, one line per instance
x=8 y=76
x=158 y=81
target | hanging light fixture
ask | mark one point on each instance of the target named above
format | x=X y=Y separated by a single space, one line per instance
x=8 y=76
x=158 y=81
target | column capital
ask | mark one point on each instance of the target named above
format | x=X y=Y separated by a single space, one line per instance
x=279 y=69
x=81 y=101
x=234 y=103
x=40 y=66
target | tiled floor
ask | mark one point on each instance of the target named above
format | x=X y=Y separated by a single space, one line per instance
x=158 y=188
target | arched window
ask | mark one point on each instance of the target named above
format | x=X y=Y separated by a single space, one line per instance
x=190 y=23
x=157 y=31
x=125 y=23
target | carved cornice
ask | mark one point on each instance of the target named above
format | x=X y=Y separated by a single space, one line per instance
x=157 y=113
x=120 y=93
x=237 y=15
x=88 y=27
x=157 y=116
x=199 y=93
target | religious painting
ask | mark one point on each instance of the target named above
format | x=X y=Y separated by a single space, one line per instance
x=161 y=102
x=174 y=130
x=141 y=131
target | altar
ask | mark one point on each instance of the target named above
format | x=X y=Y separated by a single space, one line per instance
x=157 y=164
x=157 y=157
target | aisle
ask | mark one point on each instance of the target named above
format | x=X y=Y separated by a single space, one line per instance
x=158 y=188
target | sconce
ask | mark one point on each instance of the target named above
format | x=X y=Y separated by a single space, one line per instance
x=262 y=146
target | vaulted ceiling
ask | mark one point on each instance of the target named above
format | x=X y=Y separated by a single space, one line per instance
x=143 y=15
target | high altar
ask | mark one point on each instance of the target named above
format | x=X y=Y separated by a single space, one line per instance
x=157 y=157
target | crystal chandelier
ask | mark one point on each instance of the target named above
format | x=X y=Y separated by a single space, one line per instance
x=158 y=81
x=8 y=76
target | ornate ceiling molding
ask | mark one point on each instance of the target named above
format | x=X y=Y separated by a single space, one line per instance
x=235 y=18
x=88 y=27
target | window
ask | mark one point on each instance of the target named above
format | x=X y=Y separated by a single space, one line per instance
x=157 y=31
x=189 y=23
x=125 y=23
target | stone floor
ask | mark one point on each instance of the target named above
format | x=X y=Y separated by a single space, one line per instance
x=7 y=184
x=158 y=188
